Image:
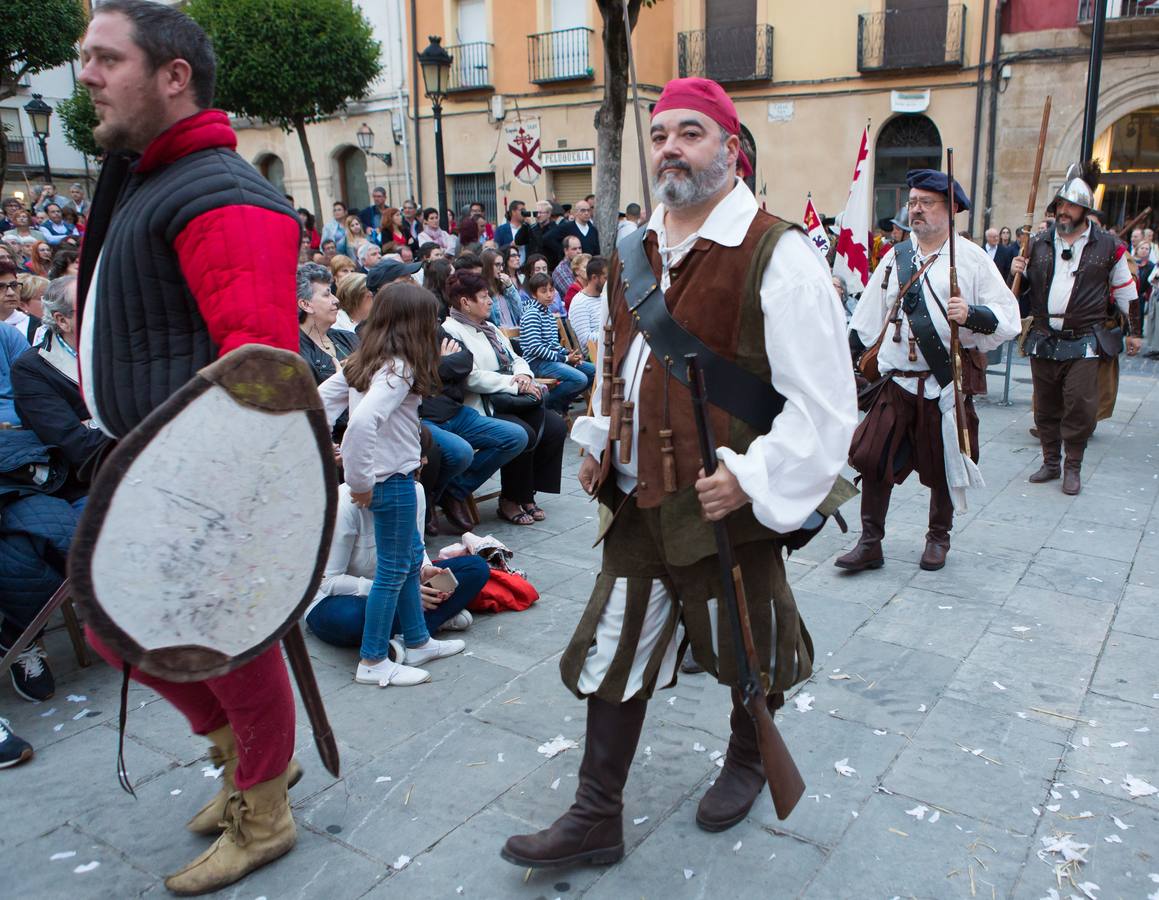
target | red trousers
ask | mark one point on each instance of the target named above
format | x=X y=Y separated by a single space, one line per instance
x=255 y=701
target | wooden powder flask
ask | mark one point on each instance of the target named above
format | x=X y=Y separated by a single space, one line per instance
x=606 y=383
x=626 y=410
x=617 y=406
x=913 y=348
x=667 y=451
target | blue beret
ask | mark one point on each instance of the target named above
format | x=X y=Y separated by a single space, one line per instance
x=935 y=180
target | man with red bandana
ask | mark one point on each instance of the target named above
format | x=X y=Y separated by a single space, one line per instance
x=165 y=288
x=753 y=290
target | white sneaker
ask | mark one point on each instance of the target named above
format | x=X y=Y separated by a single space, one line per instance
x=460 y=621
x=432 y=649
x=387 y=672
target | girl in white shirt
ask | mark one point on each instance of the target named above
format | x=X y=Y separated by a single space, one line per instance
x=382 y=383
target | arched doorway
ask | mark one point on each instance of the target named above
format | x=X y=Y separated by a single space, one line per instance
x=1129 y=153
x=273 y=170
x=352 y=177
x=905 y=142
x=749 y=146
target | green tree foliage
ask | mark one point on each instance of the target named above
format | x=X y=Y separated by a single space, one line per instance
x=289 y=62
x=78 y=118
x=35 y=35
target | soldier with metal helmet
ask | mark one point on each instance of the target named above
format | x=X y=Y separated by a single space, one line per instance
x=1075 y=275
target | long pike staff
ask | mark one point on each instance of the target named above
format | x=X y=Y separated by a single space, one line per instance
x=644 y=185
x=1024 y=238
x=785 y=782
x=955 y=344
x=1130 y=226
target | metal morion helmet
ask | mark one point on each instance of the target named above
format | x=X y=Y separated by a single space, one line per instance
x=1079 y=186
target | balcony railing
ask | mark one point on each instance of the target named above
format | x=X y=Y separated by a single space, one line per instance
x=560 y=55
x=471 y=68
x=923 y=37
x=1119 y=9
x=738 y=53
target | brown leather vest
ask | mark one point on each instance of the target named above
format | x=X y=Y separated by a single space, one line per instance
x=1090 y=296
x=711 y=295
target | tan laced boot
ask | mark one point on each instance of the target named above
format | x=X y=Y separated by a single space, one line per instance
x=223 y=754
x=259 y=829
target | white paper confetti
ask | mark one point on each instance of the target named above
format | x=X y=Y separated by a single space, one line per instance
x=58 y=727
x=688 y=873
x=804 y=701
x=1121 y=825
x=212 y=771
x=45 y=715
x=1065 y=846
x=1086 y=741
x=500 y=758
x=1089 y=888
x=1000 y=687
x=382 y=778
x=1119 y=745
x=854 y=813
x=1137 y=787
x=80 y=715
x=76 y=698
x=698 y=747
x=1020 y=628
x=1036 y=811
x=1055 y=795
x=918 y=812
x=556 y=746
x=736 y=847
x=1053 y=807
x=401 y=863
x=66 y=854
x=1143 y=730
x=934 y=816
x=842 y=767
x=672 y=700
x=1113 y=839
x=1074 y=794
x=555 y=785
x=922 y=708
x=640 y=821
x=880 y=731
x=86 y=867
x=945 y=607
x=175 y=792
x=715 y=755
x=841 y=677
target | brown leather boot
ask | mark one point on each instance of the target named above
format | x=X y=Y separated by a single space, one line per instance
x=1050 y=470
x=592 y=831
x=1071 y=482
x=741 y=779
x=259 y=829
x=874 y=506
x=223 y=754
x=934 y=556
x=456 y=514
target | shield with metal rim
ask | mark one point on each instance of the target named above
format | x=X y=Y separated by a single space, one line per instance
x=206 y=531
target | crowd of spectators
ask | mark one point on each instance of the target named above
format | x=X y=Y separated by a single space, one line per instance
x=506 y=385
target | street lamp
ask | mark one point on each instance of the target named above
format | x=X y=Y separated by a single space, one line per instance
x=366 y=144
x=436 y=66
x=39 y=113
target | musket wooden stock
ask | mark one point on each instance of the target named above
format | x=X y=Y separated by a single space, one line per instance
x=1024 y=238
x=1130 y=226
x=785 y=782
x=955 y=344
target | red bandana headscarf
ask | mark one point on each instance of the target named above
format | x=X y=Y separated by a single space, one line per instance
x=708 y=97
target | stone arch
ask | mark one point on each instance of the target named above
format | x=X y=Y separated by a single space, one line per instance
x=348 y=172
x=906 y=141
x=272 y=169
x=1115 y=101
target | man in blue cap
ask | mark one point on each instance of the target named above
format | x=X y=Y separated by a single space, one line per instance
x=911 y=423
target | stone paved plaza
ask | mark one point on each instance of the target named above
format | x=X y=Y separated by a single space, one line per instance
x=983 y=708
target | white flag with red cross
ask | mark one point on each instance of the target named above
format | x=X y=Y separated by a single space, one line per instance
x=851 y=264
x=523 y=143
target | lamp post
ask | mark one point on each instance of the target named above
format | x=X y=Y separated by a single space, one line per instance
x=436 y=66
x=39 y=113
x=365 y=137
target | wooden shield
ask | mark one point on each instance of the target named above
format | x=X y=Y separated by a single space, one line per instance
x=207 y=528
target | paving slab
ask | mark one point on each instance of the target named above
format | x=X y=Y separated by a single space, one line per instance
x=1139 y=612
x=929 y=621
x=1064 y=621
x=1099 y=757
x=86 y=868
x=1074 y=573
x=1127 y=669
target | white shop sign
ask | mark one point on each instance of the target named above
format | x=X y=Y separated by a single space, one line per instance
x=909 y=101
x=558 y=159
x=781 y=112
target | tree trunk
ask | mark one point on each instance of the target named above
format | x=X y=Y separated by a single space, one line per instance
x=315 y=198
x=609 y=119
x=3 y=157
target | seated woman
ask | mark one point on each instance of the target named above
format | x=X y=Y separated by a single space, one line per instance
x=537 y=265
x=354 y=300
x=539 y=341
x=506 y=307
x=338 y=613
x=496 y=369
x=47 y=392
x=321 y=344
x=12 y=311
x=579 y=266
x=340 y=267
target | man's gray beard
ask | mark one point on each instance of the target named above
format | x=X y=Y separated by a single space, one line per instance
x=1068 y=229
x=695 y=187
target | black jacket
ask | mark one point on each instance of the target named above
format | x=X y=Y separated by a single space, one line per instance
x=589 y=243
x=453 y=371
x=1003 y=257
x=321 y=363
x=51 y=405
x=546 y=241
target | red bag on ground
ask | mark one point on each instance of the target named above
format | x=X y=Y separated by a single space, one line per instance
x=504 y=591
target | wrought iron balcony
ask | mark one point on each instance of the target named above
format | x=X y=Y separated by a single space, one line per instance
x=736 y=53
x=1119 y=9
x=560 y=56
x=923 y=37
x=471 y=66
